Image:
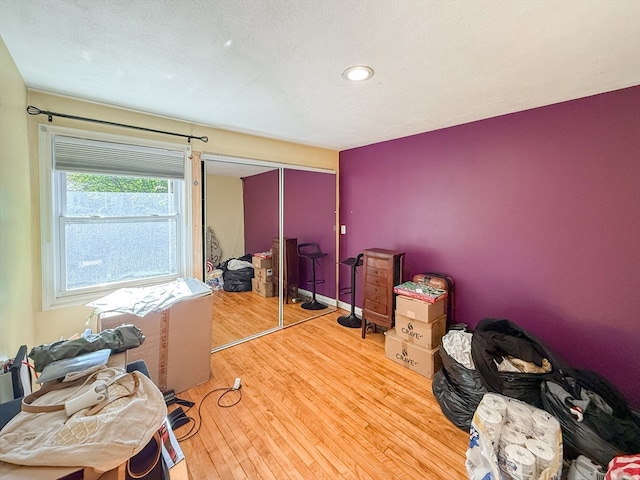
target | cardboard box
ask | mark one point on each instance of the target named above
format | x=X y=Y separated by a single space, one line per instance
x=419 y=310
x=262 y=274
x=264 y=289
x=177 y=345
x=426 y=334
x=261 y=262
x=419 y=359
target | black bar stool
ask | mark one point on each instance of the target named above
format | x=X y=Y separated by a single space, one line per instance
x=351 y=320
x=313 y=253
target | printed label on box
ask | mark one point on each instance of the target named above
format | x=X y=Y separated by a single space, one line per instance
x=426 y=334
x=419 y=359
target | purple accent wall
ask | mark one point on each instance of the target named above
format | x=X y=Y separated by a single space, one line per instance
x=535 y=215
x=310 y=216
x=260 y=194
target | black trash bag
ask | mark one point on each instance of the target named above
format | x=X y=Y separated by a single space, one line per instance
x=236 y=286
x=237 y=280
x=245 y=258
x=116 y=339
x=463 y=378
x=494 y=339
x=458 y=390
x=600 y=435
x=453 y=405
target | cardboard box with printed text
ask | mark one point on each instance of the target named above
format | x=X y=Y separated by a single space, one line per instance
x=177 y=345
x=264 y=289
x=419 y=359
x=426 y=334
x=262 y=274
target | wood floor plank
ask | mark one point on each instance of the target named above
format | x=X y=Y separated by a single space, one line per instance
x=319 y=402
x=269 y=392
x=238 y=315
x=272 y=446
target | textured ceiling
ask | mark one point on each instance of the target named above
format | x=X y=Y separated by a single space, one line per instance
x=274 y=68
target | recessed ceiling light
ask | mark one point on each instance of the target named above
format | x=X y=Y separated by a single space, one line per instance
x=357 y=73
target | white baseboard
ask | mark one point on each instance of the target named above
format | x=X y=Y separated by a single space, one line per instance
x=347 y=306
x=331 y=301
x=320 y=298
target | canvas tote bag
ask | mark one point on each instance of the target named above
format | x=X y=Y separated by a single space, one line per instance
x=100 y=437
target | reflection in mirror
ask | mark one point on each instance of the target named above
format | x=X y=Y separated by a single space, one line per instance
x=310 y=218
x=240 y=218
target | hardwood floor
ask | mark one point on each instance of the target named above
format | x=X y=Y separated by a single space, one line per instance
x=320 y=402
x=239 y=315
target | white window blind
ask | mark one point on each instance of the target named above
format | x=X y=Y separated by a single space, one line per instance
x=72 y=154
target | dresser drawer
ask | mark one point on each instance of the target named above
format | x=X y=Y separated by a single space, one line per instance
x=378 y=272
x=376 y=307
x=376 y=293
x=381 y=263
x=379 y=281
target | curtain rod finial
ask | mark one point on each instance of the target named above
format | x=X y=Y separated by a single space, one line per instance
x=31 y=110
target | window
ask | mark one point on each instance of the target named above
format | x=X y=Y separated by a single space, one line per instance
x=114 y=213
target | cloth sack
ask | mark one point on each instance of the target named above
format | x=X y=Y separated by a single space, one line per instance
x=102 y=436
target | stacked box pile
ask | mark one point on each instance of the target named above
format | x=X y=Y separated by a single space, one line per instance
x=420 y=323
x=261 y=282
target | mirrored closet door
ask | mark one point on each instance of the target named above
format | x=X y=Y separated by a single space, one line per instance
x=234 y=229
x=310 y=222
x=248 y=207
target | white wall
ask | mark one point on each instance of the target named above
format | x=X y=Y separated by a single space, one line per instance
x=225 y=213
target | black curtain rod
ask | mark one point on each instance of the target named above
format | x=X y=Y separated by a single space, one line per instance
x=31 y=110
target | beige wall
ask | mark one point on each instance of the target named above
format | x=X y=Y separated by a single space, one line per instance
x=23 y=320
x=225 y=213
x=220 y=141
x=16 y=260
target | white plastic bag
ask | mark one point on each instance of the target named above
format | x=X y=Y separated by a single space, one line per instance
x=512 y=440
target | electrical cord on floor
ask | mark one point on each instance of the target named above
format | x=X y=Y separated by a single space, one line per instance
x=196 y=425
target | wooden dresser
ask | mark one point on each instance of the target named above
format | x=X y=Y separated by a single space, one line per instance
x=382 y=271
x=289 y=276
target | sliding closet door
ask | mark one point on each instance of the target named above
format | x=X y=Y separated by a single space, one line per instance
x=309 y=216
x=247 y=205
x=241 y=218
